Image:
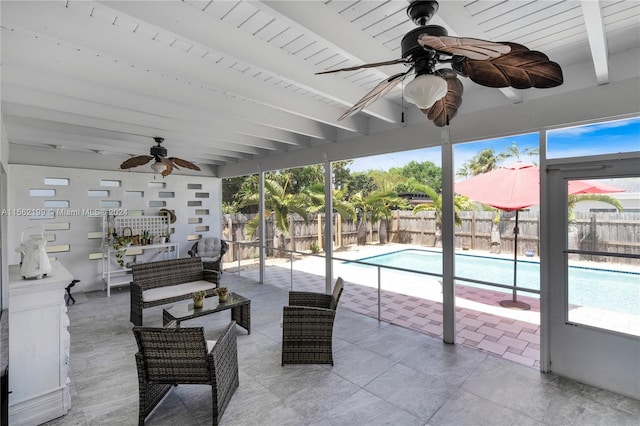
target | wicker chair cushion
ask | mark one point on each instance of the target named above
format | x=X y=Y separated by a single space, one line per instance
x=168 y=292
x=210 y=345
x=209 y=248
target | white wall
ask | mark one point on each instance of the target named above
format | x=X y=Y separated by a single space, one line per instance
x=4 y=164
x=197 y=210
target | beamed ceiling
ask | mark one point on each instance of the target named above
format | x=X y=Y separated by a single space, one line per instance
x=231 y=85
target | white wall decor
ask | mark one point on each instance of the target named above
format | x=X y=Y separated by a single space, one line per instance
x=74 y=230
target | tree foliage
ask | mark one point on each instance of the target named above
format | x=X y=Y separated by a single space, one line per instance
x=425 y=173
x=574 y=199
x=278 y=204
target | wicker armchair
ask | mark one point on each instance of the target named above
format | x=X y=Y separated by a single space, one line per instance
x=211 y=250
x=171 y=356
x=307 y=327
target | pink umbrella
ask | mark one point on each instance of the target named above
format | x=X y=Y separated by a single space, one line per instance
x=515 y=187
x=591 y=187
x=507 y=188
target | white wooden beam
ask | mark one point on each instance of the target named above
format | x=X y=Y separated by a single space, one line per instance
x=60 y=36
x=592 y=12
x=205 y=30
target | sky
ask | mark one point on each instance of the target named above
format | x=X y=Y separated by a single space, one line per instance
x=602 y=138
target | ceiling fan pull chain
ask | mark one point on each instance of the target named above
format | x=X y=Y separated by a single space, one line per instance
x=402 y=104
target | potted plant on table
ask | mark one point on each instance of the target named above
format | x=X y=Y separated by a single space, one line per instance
x=198 y=298
x=222 y=293
x=120 y=245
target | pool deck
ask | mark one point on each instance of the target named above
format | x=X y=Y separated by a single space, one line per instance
x=415 y=301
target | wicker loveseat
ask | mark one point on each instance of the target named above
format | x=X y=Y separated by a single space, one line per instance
x=167 y=281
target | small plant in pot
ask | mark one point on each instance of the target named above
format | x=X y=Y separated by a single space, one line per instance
x=120 y=245
x=146 y=237
x=198 y=298
x=222 y=293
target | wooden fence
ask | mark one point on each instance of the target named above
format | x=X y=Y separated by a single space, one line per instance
x=608 y=232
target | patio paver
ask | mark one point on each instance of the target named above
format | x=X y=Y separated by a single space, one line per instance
x=480 y=330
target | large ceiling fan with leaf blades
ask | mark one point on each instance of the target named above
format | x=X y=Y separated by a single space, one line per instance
x=436 y=89
x=162 y=165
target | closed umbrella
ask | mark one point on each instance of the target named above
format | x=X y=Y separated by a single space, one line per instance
x=514 y=187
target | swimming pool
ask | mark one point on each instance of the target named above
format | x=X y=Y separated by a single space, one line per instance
x=598 y=288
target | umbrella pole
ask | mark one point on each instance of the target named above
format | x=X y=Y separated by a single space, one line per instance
x=513 y=303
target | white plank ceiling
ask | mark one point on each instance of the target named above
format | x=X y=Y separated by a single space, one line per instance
x=231 y=81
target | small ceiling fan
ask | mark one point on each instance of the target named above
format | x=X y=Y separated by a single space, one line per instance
x=437 y=91
x=162 y=165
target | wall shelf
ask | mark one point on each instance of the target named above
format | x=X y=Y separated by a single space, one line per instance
x=113 y=275
x=157 y=226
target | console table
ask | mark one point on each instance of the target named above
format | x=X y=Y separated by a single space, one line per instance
x=38 y=346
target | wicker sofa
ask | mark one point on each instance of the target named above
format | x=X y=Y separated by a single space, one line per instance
x=167 y=281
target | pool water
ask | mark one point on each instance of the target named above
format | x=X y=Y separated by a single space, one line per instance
x=597 y=288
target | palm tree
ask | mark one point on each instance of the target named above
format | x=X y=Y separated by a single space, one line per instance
x=317 y=201
x=460 y=202
x=376 y=205
x=316 y=198
x=278 y=204
x=514 y=151
x=574 y=199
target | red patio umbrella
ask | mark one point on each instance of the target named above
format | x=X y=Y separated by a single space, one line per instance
x=515 y=187
x=591 y=187
x=507 y=188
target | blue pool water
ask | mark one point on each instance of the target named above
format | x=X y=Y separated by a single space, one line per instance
x=597 y=288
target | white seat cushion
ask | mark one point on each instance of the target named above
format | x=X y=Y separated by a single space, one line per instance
x=210 y=345
x=159 y=293
x=209 y=247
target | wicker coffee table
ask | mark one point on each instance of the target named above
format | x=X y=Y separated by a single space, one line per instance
x=240 y=308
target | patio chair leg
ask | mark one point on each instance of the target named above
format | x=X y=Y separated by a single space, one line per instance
x=68 y=296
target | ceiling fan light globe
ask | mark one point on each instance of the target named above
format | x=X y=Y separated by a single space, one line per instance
x=158 y=167
x=424 y=90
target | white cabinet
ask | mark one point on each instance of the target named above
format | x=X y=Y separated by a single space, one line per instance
x=38 y=347
x=114 y=275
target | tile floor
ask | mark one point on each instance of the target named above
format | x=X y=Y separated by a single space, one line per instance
x=384 y=375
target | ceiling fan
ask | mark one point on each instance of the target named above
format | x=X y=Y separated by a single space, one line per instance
x=162 y=165
x=437 y=91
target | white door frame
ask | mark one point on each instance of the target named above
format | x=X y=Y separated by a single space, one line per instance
x=590 y=355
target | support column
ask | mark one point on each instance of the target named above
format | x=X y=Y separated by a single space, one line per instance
x=328 y=223
x=448 y=223
x=544 y=242
x=261 y=225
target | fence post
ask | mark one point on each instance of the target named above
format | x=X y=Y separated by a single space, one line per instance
x=473 y=230
x=292 y=233
x=239 y=258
